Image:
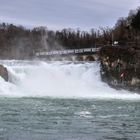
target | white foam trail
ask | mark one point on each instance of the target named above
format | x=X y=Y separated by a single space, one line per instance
x=58 y=79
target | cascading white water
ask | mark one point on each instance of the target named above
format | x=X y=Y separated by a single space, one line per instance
x=57 y=79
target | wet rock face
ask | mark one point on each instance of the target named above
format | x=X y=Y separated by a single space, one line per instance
x=120 y=67
x=3 y=73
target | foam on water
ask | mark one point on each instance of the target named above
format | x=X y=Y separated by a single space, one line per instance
x=58 y=79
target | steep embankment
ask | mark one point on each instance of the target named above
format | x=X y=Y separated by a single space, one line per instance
x=120 y=67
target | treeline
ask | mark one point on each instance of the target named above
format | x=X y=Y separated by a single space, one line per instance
x=18 y=42
x=127 y=30
x=71 y=39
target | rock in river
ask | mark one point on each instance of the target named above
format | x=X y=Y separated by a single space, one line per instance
x=3 y=72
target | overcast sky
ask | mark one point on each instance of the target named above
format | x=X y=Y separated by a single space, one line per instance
x=57 y=14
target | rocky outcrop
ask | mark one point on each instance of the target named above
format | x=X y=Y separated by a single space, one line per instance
x=3 y=73
x=120 y=67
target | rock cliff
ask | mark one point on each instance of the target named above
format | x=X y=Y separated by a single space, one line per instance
x=120 y=67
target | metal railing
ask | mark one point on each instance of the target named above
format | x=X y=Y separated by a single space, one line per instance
x=68 y=51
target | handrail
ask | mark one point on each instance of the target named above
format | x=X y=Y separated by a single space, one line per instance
x=67 y=51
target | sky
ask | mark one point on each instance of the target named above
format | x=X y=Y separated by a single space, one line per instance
x=58 y=14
